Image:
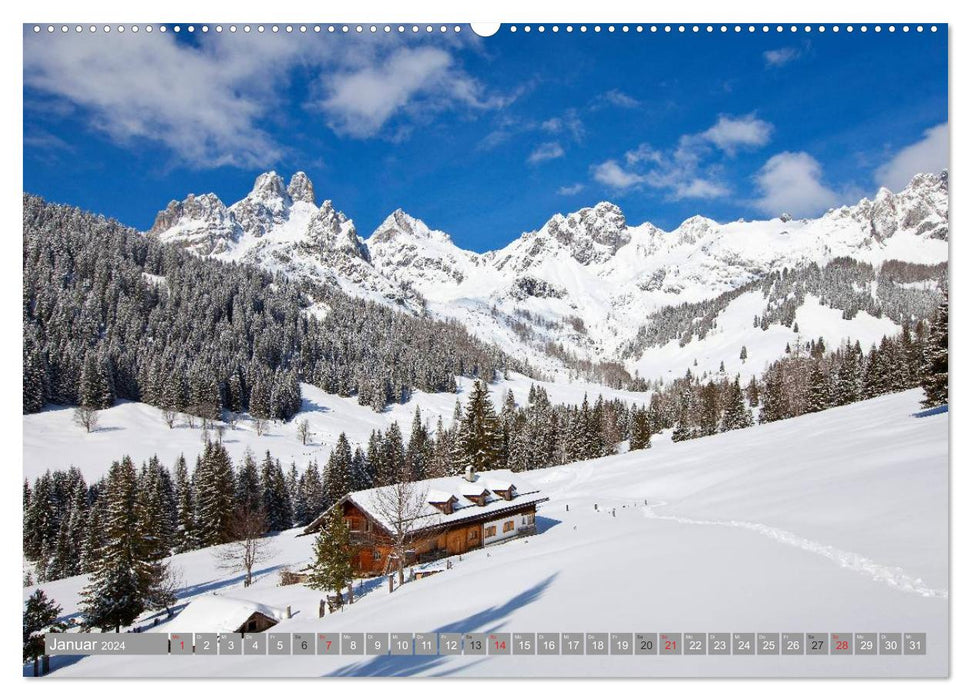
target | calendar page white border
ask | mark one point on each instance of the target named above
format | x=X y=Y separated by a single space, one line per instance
x=708 y=11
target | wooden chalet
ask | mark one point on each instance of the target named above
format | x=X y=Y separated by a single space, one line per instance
x=456 y=514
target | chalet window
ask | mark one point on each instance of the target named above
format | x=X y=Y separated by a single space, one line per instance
x=508 y=525
x=376 y=555
x=473 y=534
x=490 y=531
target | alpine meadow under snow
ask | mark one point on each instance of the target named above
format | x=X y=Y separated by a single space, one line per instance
x=770 y=528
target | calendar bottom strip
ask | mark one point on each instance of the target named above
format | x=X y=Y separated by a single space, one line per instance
x=492 y=644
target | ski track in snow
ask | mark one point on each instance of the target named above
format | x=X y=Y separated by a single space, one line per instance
x=892 y=576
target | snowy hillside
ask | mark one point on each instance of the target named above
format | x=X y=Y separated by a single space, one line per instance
x=586 y=280
x=51 y=440
x=774 y=528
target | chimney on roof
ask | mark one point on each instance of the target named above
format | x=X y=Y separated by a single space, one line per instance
x=470 y=473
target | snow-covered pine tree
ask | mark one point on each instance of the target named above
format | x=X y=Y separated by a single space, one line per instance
x=187 y=536
x=933 y=378
x=419 y=450
x=214 y=490
x=737 y=414
x=640 y=429
x=361 y=476
x=40 y=616
x=480 y=436
x=820 y=392
x=93 y=538
x=709 y=409
x=297 y=504
x=249 y=495
x=125 y=574
x=337 y=478
x=331 y=568
x=312 y=490
x=157 y=496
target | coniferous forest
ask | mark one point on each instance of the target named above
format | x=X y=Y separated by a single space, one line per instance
x=110 y=314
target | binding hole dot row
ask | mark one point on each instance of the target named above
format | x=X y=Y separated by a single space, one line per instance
x=428 y=28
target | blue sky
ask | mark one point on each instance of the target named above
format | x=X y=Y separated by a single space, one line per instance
x=486 y=138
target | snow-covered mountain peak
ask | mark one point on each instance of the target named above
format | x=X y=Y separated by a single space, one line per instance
x=301 y=189
x=919 y=209
x=693 y=229
x=269 y=187
x=329 y=230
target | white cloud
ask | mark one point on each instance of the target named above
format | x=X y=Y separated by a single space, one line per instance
x=569 y=123
x=360 y=101
x=730 y=133
x=699 y=188
x=209 y=101
x=792 y=182
x=691 y=169
x=929 y=155
x=643 y=154
x=569 y=190
x=546 y=151
x=779 y=57
x=614 y=176
x=619 y=99
x=203 y=103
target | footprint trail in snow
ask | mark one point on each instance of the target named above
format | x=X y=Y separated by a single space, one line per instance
x=892 y=576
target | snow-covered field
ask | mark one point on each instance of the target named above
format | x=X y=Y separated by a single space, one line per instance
x=53 y=441
x=833 y=522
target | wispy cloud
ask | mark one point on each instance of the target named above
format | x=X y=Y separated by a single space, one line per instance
x=615 y=176
x=568 y=123
x=570 y=190
x=776 y=58
x=792 y=182
x=546 y=151
x=929 y=155
x=616 y=98
x=690 y=169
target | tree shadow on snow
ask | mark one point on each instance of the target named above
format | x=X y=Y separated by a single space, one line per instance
x=216 y=584
x=307 y=406
x=485 y=621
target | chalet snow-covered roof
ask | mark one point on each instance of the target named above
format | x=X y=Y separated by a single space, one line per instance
x=438 y=490
x=496 y=484
x=219 y=613
x=436 y=496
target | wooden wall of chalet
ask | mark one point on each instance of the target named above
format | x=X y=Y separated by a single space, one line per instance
x=374 y=547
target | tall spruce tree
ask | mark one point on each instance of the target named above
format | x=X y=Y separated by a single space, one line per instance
x=187 y=536
x=214 y=489
x=933 y=377
x=480 y=436
x=737 y=414
x=640 y=429
x=339 y=471
x=126 y=577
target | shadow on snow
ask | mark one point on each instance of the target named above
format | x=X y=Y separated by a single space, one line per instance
x=485 y=621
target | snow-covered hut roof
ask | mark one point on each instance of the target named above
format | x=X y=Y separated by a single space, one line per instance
x=218 y=613
x=429 y=491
